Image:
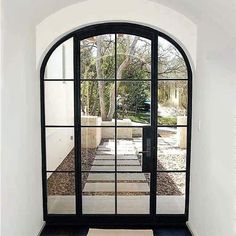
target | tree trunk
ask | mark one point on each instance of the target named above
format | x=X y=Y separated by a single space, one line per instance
x=124 y=64
x=101 y=84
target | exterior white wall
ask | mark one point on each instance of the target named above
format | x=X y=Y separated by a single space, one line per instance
x=59 y=104
x=59 y=144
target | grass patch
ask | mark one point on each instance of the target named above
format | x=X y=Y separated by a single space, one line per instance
x=167 y=120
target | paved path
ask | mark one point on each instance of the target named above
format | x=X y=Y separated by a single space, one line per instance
x=132 y=188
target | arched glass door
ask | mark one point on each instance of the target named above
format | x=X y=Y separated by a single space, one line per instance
x=116 y=121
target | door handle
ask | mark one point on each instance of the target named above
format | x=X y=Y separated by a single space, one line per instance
x=143 y=152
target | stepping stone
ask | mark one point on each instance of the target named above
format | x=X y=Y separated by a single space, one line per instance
x=133 y=204
x=132 y=187
x=119 y=162
x=128 y=162
x=109 y=157
x=103 y=168
x=123 y=157
x=61 y=204
x=111 y=177
x=104 y=162
x=170 y=204
x=99 y=187
x=105 y=152
x=131 y=176
x=102 y=176
x=125 y=204
x=121 y=187
x=119 y=168
x=98 y=204
x=119 y=157
x=106 y=204
x=129 y=168
x=103 y=149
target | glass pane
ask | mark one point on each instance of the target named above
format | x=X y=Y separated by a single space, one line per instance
x=59 y=103
x=97 y=103
x=172 y=102
x=133 y=193
x=129 y=144
x=60 y=149
x=60 y=64
x=61 y=193
x=133 y=57
x=98 y=193
x=172 y=144
x=98 y=57
x=98 y=149
x=171 y=193
x=171 y=64
x=134 y=102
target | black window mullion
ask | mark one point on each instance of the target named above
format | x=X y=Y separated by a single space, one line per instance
x=115 y=124
x=189 y=130
x=154 y=124
x=43 y=141
x=77 y=129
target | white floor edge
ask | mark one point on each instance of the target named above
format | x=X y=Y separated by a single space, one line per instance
x=191 y=229
x=42 y=227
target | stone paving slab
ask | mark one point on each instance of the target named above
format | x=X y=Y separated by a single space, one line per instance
x=98 y=204
x=111 y=177
x=104 y=162
x=170 y=204
x=119 y=162
x=121 y=187
x=103 y=149
x=129 y=168
x=103 y=168
x=119 y=168
x=125 y=204
x=61 y=204
x=106 y=204
x=133 y=204
x=97 y=157
x=112 y=152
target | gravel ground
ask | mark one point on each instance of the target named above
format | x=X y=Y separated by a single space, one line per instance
x=64 y=183
x=168 y=183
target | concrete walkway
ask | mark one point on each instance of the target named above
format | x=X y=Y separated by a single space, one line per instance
x=132 y=188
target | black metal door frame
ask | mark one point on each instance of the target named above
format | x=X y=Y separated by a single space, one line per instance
x=117 y=219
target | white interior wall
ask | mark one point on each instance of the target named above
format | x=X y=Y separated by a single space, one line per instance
x=211 y=195
x=1 y=17
x=21 y=198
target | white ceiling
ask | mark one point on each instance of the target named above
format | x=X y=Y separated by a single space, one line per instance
x=222 y=12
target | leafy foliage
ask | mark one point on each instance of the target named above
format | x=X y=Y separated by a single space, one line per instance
x=133 y=63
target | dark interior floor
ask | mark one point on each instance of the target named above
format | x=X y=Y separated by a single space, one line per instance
x=78 y=231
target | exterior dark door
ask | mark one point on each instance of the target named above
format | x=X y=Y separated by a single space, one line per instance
x=116 y=69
